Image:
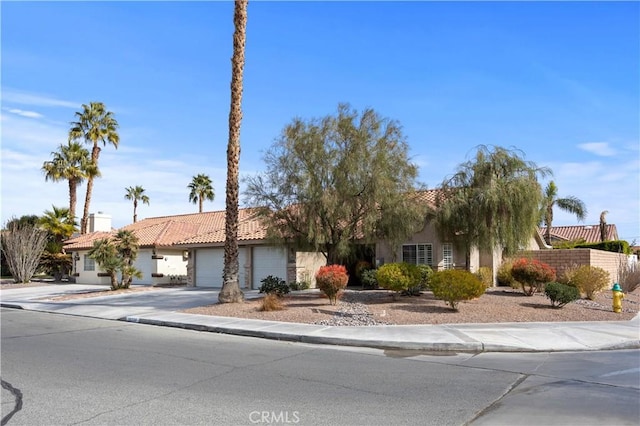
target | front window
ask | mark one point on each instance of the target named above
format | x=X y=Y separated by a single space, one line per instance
x=417 y=254
x=447 y=256
x=89 y=263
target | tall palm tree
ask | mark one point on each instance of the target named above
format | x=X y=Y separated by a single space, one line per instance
x=72 y=163
x=58 y=224
x=230 y=291
x=136 y=193
x=95 y=124
x=569 y=204
x=201 y=188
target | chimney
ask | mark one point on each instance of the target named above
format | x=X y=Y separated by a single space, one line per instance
x=99 y=222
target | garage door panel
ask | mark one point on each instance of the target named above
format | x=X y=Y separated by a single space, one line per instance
x=268 y=261
x=210 y=267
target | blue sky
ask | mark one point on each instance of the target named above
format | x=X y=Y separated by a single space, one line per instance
x=558 y=80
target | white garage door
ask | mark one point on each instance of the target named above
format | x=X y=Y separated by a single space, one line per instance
x=210 y=266
x=268 y=261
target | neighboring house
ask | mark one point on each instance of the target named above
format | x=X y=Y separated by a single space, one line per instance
x=190 y=248
x=586 y=233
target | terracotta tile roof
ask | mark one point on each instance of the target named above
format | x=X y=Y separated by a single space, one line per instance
x=85 y=241
x=588 y=233
x=428 y=196
x=196 y=228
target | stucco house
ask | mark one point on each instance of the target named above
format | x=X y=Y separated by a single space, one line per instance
x=190 y=248
x=425 y=247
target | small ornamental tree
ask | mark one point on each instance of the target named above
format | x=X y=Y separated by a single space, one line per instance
x=454 y=285
x=22 y=247
x=331 y=280
x=399 y=277
x=532 y=274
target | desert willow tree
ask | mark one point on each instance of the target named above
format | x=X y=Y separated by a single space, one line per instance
x=72 y=163
x=491 y=203
x=94 y=125
x=337 y=181
x=22 y=245
x=230 y=291
x=136 y=193
x=201 y=189
x=569 y=204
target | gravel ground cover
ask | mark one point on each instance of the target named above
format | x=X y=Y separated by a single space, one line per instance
x=377 y=307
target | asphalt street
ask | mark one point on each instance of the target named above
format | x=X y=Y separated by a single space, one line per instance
x=70 y=369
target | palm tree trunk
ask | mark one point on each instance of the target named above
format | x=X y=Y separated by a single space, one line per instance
x=95 y=153
x=200 y=204
x=135 y=207
x=85 y=215
x=72 y=199
x=230 y=291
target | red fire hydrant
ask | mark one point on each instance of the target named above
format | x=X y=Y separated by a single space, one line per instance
x=618 y=295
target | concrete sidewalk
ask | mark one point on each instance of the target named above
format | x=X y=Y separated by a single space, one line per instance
x=161 y=307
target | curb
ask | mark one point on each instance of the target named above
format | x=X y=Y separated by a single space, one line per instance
x=467 y=347
x=322 y=340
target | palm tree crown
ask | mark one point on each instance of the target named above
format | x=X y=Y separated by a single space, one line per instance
x=72 y=163
x=95 y=124
x=569 y=204
x=58 y=223
x=201 y=188
x=136 y=193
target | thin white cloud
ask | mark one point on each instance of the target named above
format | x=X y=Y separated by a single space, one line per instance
x=26 y=135
x=598 y=148
x=23 y=113
x=24 y=98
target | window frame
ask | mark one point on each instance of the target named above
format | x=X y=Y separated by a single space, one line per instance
x=88 y=264
x=416 y=258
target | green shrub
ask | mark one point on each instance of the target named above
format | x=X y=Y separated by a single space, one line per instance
x=619 y=246
x=532 y=274
x=274 y=285
x=331 y=280
x=561 y=294
x=504 y=276
x=453 y=285
x=368 y=279
x=361 y=266
x=485 y=274
x=299 y=285
x=590 y=280
x=399 y=277
x=425 y=272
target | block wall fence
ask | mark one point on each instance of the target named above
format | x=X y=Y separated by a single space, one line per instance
x=561 y=259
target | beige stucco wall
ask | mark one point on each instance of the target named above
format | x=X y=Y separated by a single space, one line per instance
x=307 y=265
x=428 y=235
x=168 y=263
x=172 y=264
x=87 y=277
